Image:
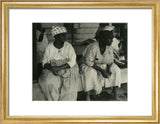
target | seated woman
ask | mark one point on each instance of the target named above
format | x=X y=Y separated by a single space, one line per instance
x=59 y=80
x=98 y=67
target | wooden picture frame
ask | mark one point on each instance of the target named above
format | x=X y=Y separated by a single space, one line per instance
x=4 y=85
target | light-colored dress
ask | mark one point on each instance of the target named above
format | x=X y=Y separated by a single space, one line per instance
x=92 y=79
x=62 y=86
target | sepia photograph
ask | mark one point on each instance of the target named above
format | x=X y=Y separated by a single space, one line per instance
x=79 y=61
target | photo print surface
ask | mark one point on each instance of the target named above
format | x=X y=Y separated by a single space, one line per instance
x=80 y=61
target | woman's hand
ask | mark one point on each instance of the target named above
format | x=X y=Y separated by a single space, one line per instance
x=105 y=74
x=48 y=66
x=55 y=69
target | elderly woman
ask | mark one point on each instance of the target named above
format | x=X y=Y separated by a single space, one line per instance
x=98 y=67
x=60 y=76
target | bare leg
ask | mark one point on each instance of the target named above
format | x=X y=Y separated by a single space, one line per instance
x=88 y=98
x=108 y=69
x=114 y=91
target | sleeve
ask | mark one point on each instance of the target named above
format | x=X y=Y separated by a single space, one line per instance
x=90 y=55
x=71 y=56
x=45 y=56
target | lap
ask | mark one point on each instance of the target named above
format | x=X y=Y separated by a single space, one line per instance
x=114 y=68
x=48 y=77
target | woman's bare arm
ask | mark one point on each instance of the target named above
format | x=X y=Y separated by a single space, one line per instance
x=103 y=71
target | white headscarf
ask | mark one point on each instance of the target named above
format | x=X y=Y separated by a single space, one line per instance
x=108 y=28
x=58 y=30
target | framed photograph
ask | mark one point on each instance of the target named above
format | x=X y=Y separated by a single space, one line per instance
x=81 y=61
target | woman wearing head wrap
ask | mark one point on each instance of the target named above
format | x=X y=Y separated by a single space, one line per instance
x=61 y=73
x=98 y=67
